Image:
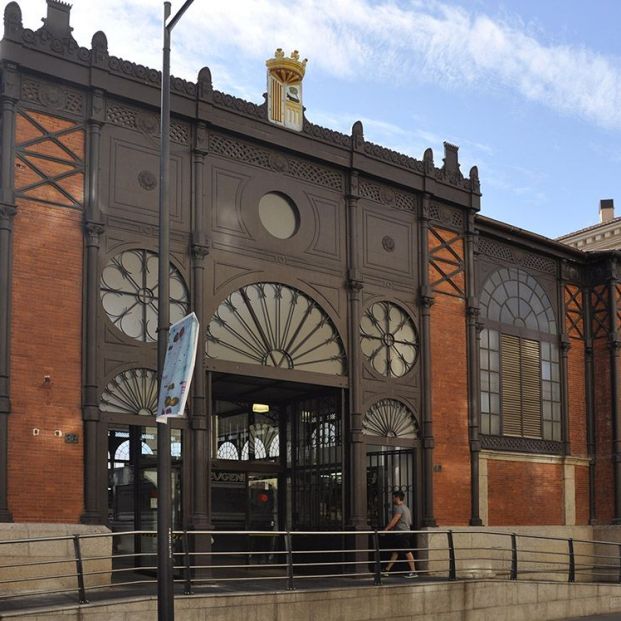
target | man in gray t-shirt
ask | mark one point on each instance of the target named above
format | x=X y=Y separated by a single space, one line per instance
x=401 y=521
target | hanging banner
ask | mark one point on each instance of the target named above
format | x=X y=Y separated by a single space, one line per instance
x=178 y=368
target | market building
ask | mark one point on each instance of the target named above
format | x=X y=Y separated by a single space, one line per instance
x=363 y=327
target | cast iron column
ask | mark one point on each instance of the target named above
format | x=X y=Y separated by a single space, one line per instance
x=589 y=398
x=472 y=315
x=10 y=92
x=426 y=301
x=199 y=422
x=357 y=480
x=93 y=229
x=614 y=345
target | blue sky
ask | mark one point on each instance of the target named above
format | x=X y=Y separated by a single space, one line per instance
x=530 y=91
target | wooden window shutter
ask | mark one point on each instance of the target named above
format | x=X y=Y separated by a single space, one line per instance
x=510 y=383
x=521 y=386
x=531 y=388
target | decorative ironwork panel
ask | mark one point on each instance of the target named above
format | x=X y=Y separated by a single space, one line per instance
x=515 y=255
x=388 y=339
x=574 y=309
x=446 y=262
x=600 y=312
x=131 y=392
x=512 y=296
x=49 y=159
x=523 y=445
x=271 y=324
x=129 y=294
x=389 y=418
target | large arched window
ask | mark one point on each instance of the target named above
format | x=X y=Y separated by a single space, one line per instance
x=520 y=374
x=274 y=325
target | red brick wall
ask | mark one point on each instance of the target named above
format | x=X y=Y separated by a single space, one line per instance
x=524 y=493
x=577 y=399
x=45 y=473
x=604 y=490
x=449 y=387
x=582 y=495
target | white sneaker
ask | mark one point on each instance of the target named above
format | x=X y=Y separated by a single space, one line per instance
x=411 y=574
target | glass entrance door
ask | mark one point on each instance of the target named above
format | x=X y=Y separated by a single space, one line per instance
x=133 y=489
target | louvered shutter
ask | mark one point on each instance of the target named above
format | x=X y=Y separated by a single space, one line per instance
x=521 y=386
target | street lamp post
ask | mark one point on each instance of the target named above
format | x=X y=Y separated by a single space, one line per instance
x=165 y=593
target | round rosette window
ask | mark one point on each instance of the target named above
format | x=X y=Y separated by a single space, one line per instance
x=279 y=216
x=388 y=339
x=129 y=294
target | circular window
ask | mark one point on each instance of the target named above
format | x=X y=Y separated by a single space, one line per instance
x=388 y=339
x=278 y=215
x=129 y=294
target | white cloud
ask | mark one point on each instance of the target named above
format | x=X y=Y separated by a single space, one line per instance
x=360 y=39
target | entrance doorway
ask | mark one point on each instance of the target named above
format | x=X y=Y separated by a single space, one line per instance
x=133 y=489
x=279 y=454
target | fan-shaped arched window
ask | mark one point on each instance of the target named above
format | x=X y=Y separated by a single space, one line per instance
x=227 y=450
x=520 y=371
x=257 y=448
x=389 y=418
x=133 y=391
x=274 y=325
x=122 y=452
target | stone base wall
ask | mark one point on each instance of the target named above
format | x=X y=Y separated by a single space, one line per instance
x=46 y=565
x=454 y=601
x=480 y=553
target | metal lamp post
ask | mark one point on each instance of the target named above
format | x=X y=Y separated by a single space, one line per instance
x=165 y=593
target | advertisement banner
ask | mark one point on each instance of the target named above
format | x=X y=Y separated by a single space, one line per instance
x=178 y=368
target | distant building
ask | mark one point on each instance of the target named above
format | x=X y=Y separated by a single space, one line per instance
x=605 y=235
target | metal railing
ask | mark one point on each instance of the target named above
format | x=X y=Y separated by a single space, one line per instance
x=84 y=567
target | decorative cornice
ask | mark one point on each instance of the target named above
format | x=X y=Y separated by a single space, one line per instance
x=516 y=256
x=242 y=106
x=446 y=216
x=257 y=156
x=385 y=195
x=327 y=135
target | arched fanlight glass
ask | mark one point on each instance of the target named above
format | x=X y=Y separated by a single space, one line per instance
x=513 y=297
x=227 y=450
x=133 y=391
x=122 y=452
x=324 y=435
x=256 y=446
x=388 y=339
x=389 y=418
x=129 y=293
x=274 y=450
x=274 y=325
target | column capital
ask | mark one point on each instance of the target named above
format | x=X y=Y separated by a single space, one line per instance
x=92 y=232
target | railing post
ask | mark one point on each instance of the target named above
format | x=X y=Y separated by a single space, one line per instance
x=514 y=558
x=572 y=561
x=80 y=569
x=187 y=567
x=377 y=576
x=288 y=544
x=452 y=563
x=619 y=578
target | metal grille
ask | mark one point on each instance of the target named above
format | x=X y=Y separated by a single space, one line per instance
x=389 y=418
x=316 y=468
x=388 y=471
